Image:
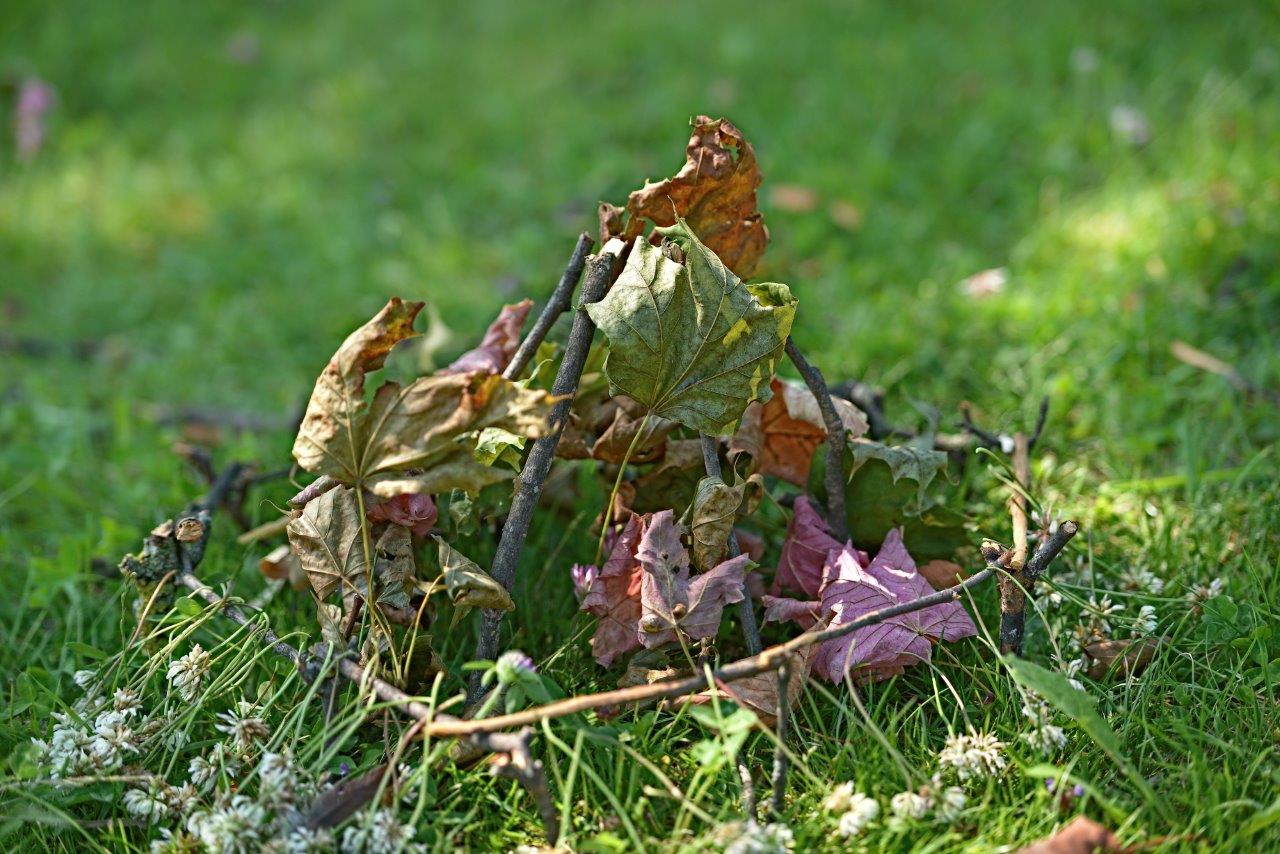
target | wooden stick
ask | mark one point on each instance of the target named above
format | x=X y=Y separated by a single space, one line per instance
x=557 y=305
x=538 y=464
x=781 y=760
x=1013 y=583
x=746 y=611
x=834 y=480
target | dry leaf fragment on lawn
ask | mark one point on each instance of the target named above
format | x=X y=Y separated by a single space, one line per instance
x=325 y=535
x=282 y=563
x=1081 y=835
x=759 y=693
x=689 y=341
x=783 y=432
x=715 y=191
x=468 y=585
x=409 y=438
x=347 y=797
x=500 y=342
x=1121 y=659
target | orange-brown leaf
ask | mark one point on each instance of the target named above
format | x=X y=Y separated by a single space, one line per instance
x=1081 y=835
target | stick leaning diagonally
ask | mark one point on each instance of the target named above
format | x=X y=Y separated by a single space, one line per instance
x=834 y=479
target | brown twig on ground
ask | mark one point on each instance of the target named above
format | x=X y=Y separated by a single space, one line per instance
x=557 y=305
x=781 y=760
x=537 y=465
x=746 y=611
x=834 y=481
x=1197 y=358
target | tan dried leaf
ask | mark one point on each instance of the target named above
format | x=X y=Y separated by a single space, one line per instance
x=1082 y=835
x=470 y=586
x=1121 y=659
x=325 y=536
x=759 y=693
x=282 y=563
x=716 y=506
x=650 y=438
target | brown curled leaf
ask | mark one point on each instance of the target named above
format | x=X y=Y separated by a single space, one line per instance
x=500 y=342
x=715 y=191
x=470 y=586
x=759 y=693
x=1082 y=835
x=337 y=804
x=649 y=436
x=282 y=563
x=325 y=536
x=1121 y=659
x=716 y=506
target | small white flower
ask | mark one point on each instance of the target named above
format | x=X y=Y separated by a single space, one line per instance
x=112 y=738
x=236 y=826
x=177 y=739
x=762 y=839
x=1204 y=592
x=860 y=811
x=1044 y=735
x=182 y=799
x=1146 y=623
x=909 y=805
x=244 y=727
x=1137 y=579
x=127 y=702
x=838 y=800
x=203 y=769
x=85 y=679
x=382 y=832
x=1103 y=609
x=277 y=777
x=306 y=841
x=973 y=755
x=147 y=803
x=187 y=673
x=950 y=802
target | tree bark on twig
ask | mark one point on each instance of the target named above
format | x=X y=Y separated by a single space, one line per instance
x=834 y=481
x=781 y=760
x=557 y=305
x=1014 y=587
x=538 y=464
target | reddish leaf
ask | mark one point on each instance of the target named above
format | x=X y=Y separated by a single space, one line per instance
x=943 y=573
x=782 y=433
x=416 y=512
x=805 y=551
x=614 y=597
x=780 y=610
x=759 y=693
x=884 y=649
x=670 y=598
x=499 y=344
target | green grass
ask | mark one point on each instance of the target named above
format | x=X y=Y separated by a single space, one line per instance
x=217 y=227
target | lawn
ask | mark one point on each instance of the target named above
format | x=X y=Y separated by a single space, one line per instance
x=226 y=190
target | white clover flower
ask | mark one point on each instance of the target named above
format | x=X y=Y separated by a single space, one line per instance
x=244 y=727
x=1204 y=592
x=187 y=673
x=277 y=776
x=1139 y=579
x=950 y=802
x=973 y=755
x=860 y=811
x=404 y=778
x=148 y=802
x=203 y=769
x=383 y=832
x=1044 y=735
x=839 y=799
x=909 y=805
x=1102 y=610
x=307 y=841
x=85 y=679
x=112 y=738
x=1147 y=622
x=127 y=702
x=66 y=751
x=182 y=799
x=236 y=826
x=762 y=839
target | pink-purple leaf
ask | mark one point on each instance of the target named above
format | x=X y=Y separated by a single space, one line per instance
x=499 y=344
x=779 y=609
x=414 y=511
x=804 y=552
x=614 y=598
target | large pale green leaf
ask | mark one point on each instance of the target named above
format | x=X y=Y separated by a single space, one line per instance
x=418 y=437
x=689 y=341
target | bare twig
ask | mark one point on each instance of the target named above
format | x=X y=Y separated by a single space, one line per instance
x=834 y=481
x=1041 y=418
x=748 y=789
x=538 y=464
x=746 y=611
x=518 y=763
x=557 y=305
x=781 y=760
x=1013 y=582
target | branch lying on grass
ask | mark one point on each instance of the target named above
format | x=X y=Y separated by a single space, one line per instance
x=537 y=465
x=557 y=305
x=836 y=519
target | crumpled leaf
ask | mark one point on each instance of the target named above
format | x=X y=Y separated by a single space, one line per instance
x=885 y=489
x=716 y=506
x=1082 y=835
x=338 y=803
x=616 y=440
x=282 y=563
x=688 y=341
x=614 y=597
x=329 y=616
x=885 y=649
x=715 y=191
x=468 y=585
x=780 y=609
x=673 y=481
x=394 y=567
x=759 y=693
x=1121 y=659
x=500 y=342
x=420 y=426
x=326 y=537
x=804 y=551
x=783 y=433
x=670 y=599
x=417 y=512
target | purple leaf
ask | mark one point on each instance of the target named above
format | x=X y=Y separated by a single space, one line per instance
x=499 y=344
x=779 y=609
x=614 y=597
x=805 y=551
x=414 y=511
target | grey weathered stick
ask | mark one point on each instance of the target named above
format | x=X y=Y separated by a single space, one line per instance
x=780 y=758
x=834 y=481
x=557 y=305
x=1013 y=584
x=536 y=467
x=746 y=611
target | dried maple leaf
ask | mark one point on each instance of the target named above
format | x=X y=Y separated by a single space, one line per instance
x=614 y=597
x=500 y=342
x=408 y=438
x=282 y=563
x=325 y=535
x=715 y=191
x=778 y=609
x=416 y=512
x=393 y=567
x=1082 y=835
x=689 y=341
x=646 y=439
x=470 y=586
x=782 y=433
x=1121 y=659
x=804 y=551
x=716 y=506
x=670 y=599
x=759 y=693
x=882 y=650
